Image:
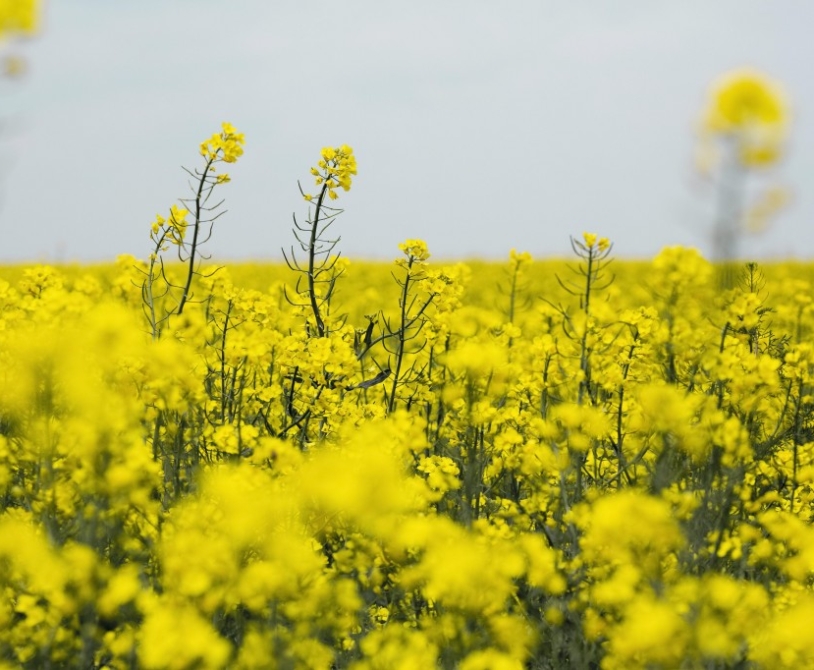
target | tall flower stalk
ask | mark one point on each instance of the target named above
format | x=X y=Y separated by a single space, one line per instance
x=744 y=128
x=163 y=296
x=335 y=170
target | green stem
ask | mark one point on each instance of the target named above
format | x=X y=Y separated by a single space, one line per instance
x=312 y=262
x=194 y=247
x=402 y=328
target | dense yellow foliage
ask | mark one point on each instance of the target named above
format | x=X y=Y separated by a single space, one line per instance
x=557 y=470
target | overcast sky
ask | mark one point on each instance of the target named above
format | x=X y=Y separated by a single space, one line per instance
x=479 y=126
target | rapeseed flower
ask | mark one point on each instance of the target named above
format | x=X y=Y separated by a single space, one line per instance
x=19 y=17
x=750 y=108
x=335 y=169
x=226 y=145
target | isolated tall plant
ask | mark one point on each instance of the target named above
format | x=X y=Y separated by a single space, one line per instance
x=18 y=18
x=744 y=129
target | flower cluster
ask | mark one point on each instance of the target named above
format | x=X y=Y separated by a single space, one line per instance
x=226 y=146
x=751 y=109
x=335 y=169
x=415 y=250
x=18 y=17
x=170 y=229
x=590 y=242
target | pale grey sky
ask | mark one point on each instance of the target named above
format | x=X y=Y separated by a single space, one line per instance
x=479 y=126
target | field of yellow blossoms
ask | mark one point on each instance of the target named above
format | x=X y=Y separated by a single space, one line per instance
x=329 y=464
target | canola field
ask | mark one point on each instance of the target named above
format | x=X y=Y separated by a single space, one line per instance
x=325 y=464
x=507 y=465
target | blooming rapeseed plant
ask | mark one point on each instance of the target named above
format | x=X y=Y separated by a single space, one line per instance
x=743 y=127
x=335 y=169
x=751 y=109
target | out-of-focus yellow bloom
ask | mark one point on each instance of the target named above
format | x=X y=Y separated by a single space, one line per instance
x=397 y=647
x=14 y=66
x=751 y=108
x=490 y=659
x=477 y=359
x=652 y=633
x=175 y=636
x=743 y=98
x=415 y=249
x=18 y=16
x=122 y=588
x=632 y=525
x=520 y=257
x=772 y=201
x=784 y=642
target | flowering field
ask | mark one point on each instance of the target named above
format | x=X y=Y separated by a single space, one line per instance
x=506 y=465
x=329 y=464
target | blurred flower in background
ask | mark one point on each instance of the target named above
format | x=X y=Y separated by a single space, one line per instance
x=18 y=18
x=744 y=128
x=751 y=110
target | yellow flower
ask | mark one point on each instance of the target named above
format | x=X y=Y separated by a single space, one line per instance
x=590 y=239
x=226 y=145
x=177 y=636
x=20 y=16
x=335 y=169
x=752 y=108
x=519 y=257
x=178 y=216
x=157 y=224
x=415 y=249
x=743 y=98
